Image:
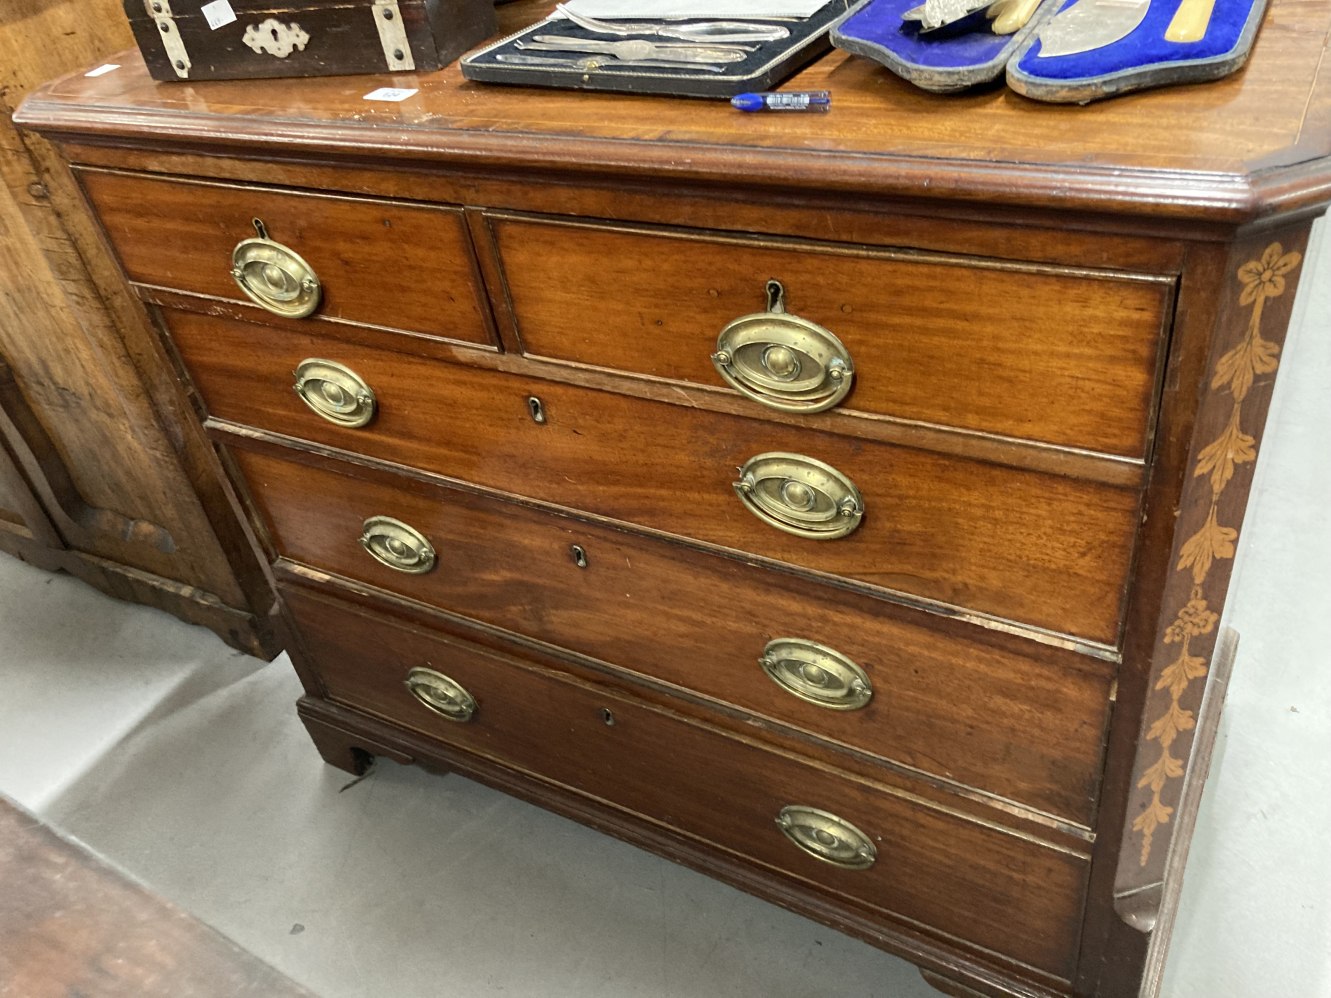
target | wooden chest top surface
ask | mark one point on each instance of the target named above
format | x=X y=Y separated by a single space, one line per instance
x=1255 y=143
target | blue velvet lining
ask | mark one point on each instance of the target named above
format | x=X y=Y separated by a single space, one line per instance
x=1146 y=46
x=879 y=23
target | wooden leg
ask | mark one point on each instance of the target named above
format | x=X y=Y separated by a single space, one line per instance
x=337 y=747
x=947 y=986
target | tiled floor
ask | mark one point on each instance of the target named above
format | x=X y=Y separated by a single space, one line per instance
x=184 y=763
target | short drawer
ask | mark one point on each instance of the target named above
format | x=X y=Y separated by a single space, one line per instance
x=986 y=711
x=1059 y=355
x=1033 y=547
x=933 y=867
x=381 y=263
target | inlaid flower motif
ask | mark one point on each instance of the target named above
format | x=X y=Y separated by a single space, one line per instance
x=1265 y=278
x=1194 y=619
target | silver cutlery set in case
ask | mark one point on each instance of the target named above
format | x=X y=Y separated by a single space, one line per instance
x=718 y=57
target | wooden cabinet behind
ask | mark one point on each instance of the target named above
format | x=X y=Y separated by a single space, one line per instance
x=103 y=472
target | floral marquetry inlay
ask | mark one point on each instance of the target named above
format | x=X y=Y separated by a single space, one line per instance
x=1260 y=280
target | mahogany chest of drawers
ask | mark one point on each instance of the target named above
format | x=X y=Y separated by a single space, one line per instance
x=843 y=507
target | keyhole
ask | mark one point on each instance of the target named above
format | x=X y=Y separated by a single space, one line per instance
x=579 y=555
x=607 y=717
x=537 y=409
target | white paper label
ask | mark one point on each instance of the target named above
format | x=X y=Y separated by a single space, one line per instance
x=110 y=67
x=218 y=13
x=390 y=94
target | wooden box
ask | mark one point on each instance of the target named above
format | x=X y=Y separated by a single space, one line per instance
x=251 y=39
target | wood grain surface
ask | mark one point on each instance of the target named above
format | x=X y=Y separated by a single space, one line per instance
x=1039 y=549
x=1063 y=357
x=113 y=457
x=1019 y=898
x=386 y=264
x=993 y=714
x=1250 y=144
x=72 y=925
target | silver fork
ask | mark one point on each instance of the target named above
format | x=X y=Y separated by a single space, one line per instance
x=701 y=31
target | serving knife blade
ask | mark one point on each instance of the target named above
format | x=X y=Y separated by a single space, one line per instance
x=1089 y=25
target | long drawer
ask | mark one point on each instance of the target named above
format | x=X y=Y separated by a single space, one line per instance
x=1062 y=355
x=1038 y=548
x=864 y=844
x=985 y=711
x=381 y=263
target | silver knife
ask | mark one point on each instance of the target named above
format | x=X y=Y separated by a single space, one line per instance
x=591 y=62
x=935 y=14
x=1089 y=25
x=637 y=49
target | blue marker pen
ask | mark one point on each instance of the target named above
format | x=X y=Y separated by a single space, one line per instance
x=808 y=100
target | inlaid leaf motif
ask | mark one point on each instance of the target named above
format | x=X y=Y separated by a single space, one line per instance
x=1236 y=370
x=1171 y=723
x=1155 y=815
x=1176 y=676
x=1239 y=368
x=1166 y=768
x=1233 y=447
x=1211 y=542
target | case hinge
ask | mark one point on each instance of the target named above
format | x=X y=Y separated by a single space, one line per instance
x=393 y=35
x=160 y=12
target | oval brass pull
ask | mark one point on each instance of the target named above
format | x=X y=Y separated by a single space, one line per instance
x=335 y=392
x=783 y=361
x=275 y=276
x=397 y=545
x=800 y=495
x=825 y=836
x=817 y=674
x=446 y=697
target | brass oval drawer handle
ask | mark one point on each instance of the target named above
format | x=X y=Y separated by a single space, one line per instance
x=817 y=674
x=275 y=276
x=446 y=697
x=783 y=361
x=335 y=392
x=800 y=495
x=825 y=836
x=397 y=545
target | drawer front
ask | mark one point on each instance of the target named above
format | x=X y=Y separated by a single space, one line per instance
x=380 y=263
x=1037 y=548
x=968 y=880
x=1067 y=357
x=972 y=709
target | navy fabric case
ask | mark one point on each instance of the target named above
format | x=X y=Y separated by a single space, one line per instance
x=941 y=63
x=1142 y=59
